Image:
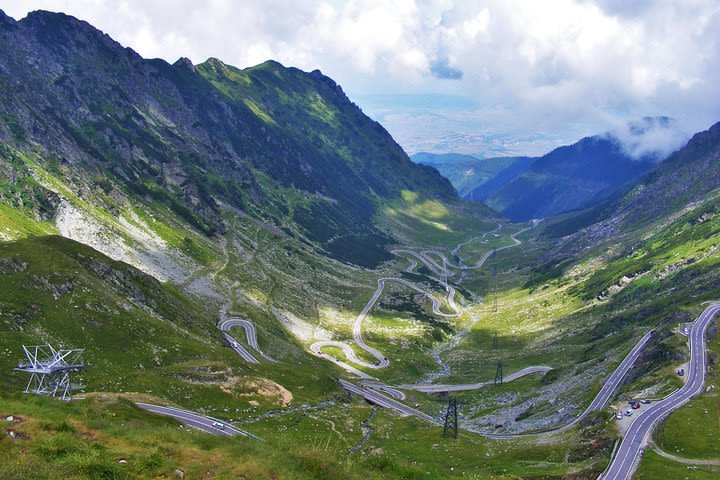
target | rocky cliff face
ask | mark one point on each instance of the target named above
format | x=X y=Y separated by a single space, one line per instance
x=283 y=145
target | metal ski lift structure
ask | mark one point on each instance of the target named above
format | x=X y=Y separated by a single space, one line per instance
x=50 y=370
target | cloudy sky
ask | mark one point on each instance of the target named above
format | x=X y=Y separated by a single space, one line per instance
x=493 y=77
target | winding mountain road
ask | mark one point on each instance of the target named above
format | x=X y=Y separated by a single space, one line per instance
x=251 y=336
x=598 y=402
x=426 y=258
x=201 y=422
x=627 y=457
x=382 y=361
x=457 y=248
x=474 y=386
x=487 y=254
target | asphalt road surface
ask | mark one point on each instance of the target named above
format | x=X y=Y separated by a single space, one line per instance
x=628 y=454
x=384 y=401
x=250 y=334
x=613 y=382
x=382 y=388
x=475 y=386
x=196 y=420
x=488 y=254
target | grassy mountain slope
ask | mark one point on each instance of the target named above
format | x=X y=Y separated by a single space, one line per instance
x=139 y=335
x=482 y=192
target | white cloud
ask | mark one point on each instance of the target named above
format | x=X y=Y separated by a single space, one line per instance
x=562 y=68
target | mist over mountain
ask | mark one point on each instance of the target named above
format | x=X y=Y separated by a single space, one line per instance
x=687 y=177
x=650 y=137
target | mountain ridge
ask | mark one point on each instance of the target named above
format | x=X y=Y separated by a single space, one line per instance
x=570 y=177
x=190 y=137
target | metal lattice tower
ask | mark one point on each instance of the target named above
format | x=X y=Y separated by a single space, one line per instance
x=499 y=374
x=451 y=419
x=50 y=370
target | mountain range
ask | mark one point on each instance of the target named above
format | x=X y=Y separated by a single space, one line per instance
x=195 y=136
x=568 y=178
x=144 y=204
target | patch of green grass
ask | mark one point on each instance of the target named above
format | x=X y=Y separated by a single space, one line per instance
x=655 y=467
x=418 y=220
x=14 y=224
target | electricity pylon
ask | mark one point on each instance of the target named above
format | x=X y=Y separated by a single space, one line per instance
x=499 y=374
x=50 y=370
x=451 y=419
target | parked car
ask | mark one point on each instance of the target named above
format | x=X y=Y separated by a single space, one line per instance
x=628 y=413
x=635 y=406
x=645 y=401
x=619 y=416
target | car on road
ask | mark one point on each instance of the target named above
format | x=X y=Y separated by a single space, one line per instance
x=218 y=425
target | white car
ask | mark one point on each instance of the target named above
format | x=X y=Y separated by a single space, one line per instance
x=218 y=425
x=628 y=413
x=619 y=416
